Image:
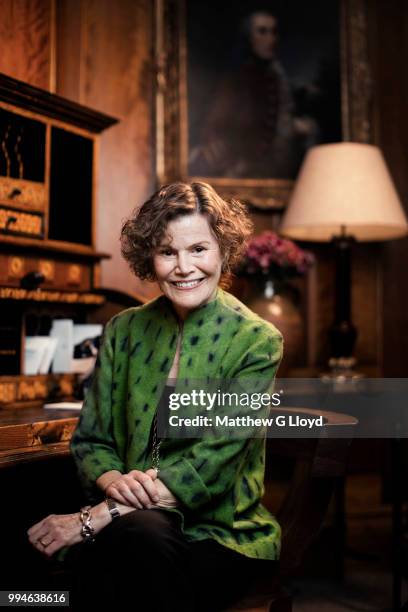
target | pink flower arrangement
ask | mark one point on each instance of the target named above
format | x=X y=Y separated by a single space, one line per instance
x=269 y=254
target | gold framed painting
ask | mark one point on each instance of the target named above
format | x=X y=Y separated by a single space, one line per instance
x=243 y=92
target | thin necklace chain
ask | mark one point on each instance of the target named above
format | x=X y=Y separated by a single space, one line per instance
x=156 y=444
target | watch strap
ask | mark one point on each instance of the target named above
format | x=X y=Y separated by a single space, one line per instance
x=113 y=508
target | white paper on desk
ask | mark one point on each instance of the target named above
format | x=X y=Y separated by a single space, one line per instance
x=34 y=352
x=63 y=329
x=48 y=355
x=64 y=405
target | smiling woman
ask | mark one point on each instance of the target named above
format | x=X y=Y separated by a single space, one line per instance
x=188 y=263
x=227 y=226
x=179 y=509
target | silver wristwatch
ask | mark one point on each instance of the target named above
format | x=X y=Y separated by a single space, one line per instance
x=113 y=508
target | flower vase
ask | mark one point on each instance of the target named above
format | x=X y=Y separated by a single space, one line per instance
x=271 y=301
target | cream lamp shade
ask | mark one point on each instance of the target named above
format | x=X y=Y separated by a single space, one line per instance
x=344 y=189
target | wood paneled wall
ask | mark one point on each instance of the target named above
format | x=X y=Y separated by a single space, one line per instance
x=26 y=34
x=105 y=60
x=389 y=50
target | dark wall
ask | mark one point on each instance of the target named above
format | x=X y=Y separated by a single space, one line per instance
x=389 y=52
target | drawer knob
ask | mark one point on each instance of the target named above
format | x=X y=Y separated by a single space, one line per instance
x=32 y=280
x=13 y=194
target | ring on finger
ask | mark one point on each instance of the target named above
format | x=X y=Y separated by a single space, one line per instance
x=44 y=544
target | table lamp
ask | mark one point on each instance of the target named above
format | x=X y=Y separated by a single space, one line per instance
x=344 y=193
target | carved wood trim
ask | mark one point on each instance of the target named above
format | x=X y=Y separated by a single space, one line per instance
x=41 y=295
x=37 y=100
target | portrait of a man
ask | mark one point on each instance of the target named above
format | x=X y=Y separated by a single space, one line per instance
x=255 y=117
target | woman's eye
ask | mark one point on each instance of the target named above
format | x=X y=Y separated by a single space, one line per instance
x=199 y=249
x=166 y=252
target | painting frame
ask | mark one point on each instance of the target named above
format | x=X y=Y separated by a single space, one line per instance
x=171 y=113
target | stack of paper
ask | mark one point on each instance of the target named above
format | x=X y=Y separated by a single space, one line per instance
x=57 y=349
x=39 y=352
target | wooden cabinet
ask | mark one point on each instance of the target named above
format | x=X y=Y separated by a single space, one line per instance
x=49 y=267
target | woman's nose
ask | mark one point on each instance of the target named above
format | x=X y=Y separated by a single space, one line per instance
x=184 y=264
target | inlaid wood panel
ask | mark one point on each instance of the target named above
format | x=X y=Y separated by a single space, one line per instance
x=111 y=69
x=64 y=275
x=17 y=390
x=25 y=40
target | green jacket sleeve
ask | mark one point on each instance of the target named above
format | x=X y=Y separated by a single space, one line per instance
x=209 y=468
x=92 y=445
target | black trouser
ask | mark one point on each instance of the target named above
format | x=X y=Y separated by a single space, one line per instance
x=142 y=562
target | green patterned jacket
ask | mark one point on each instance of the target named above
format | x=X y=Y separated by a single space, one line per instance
x=219 y=482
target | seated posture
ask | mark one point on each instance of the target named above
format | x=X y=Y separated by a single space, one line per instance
x=173 y=524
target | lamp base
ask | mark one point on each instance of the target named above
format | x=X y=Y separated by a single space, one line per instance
x=341 y=368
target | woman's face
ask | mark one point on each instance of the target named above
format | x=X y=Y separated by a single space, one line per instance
x=188 y=263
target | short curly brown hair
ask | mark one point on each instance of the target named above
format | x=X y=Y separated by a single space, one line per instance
x=144 y=230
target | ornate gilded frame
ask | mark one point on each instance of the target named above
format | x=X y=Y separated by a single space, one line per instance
x=171 y=100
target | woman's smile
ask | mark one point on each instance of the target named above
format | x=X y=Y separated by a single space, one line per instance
x=188 y=285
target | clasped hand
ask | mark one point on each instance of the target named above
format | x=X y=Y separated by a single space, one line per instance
x=134 y=490
x=141 y=490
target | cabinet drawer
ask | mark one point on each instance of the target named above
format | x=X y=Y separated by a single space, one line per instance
x=28 y=195
x=21 y=223
x=63 y=275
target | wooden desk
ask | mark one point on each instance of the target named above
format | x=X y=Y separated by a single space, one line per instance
x=35 y=433
x=38 y=477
